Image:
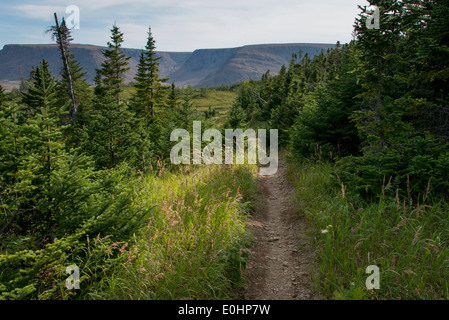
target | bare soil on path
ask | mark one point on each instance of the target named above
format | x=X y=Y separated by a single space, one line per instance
x=282 y=259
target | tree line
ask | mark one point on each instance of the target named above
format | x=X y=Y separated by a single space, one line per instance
x=377 y=106
x=69 y=156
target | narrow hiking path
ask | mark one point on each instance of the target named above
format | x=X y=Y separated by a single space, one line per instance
x=282 y=260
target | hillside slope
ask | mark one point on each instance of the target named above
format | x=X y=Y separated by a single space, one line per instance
x=201 y=68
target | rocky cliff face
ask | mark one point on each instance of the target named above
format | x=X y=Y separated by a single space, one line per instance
x=203 y=67
x=251 y=62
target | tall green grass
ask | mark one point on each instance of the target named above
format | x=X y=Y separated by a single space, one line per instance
x=406 y=238
x=173 y=234
x=194 y=245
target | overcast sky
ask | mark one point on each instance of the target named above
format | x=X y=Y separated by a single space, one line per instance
x=185 y=25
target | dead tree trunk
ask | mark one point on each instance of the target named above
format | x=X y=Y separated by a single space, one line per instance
x=71 y=91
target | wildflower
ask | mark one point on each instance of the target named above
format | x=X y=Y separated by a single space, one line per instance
x=324 y=231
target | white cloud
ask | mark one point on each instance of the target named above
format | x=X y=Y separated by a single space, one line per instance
x=233 y=23
x=40 y=12
x=135 y=35
x=185 y=25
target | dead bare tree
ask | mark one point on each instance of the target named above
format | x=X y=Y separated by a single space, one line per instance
x=62 y=35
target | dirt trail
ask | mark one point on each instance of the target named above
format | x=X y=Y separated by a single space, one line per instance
x=282 y=259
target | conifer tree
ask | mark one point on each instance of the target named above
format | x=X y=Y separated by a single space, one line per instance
x=41 y=89
x=112 y=133
x=42 y=183
x=377 y=50
x=45 y=137
x=150 y=96
x=112 y=127
x=426 y=52
x=2 y=95
x=172 y=100
x=150 y=91
x=110 y=76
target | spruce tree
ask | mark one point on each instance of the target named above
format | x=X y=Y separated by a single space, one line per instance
x=42 y=183
x=172 y=100
x=150 y=96
x=426 y=52
x=41 y=89
x=111 y=133
x=2 y=95
x=377 y=49
x=150 y=91
x=110 y=76
x=112 y=129
x=43 y=144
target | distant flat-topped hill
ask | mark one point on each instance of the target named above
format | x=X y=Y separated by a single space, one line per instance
x=201 y=68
